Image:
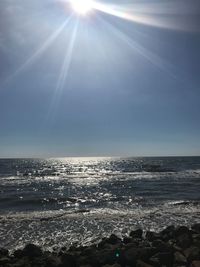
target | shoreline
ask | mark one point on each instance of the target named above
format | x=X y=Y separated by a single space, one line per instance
x=171 y=247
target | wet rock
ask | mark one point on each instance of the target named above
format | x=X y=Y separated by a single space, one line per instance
x=134 y=254
x=87 y=251
x=179 y=258
x=4 y=261
x=192 y=253
x=184 y=240
x=151 y=236
x=196 y=227
x=196 y=240
x=113 y=239
x=127 y=240
x=195 y=264
x=162 y=258
x=52 y=261
x=22 y=263
x=68 y=260
x=168 y=233
x=136 y=233
x=142 y=264
x=100 y=257
x=114 y=265
x=32 y=250
x=3 y=252
x=162 y=246
x=18 y=253
x=181 y=230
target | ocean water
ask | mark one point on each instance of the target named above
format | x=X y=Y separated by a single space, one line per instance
x=65 y=201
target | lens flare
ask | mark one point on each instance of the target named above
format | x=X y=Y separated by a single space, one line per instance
x=82 y=7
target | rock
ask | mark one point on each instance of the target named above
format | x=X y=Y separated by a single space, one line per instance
x=113 y=239
x=32 y=250
x=107 y=242
x=196 y=227
x=192 y=253
x=144 y=243
x=168 y=233
x=4 y=261
x=52 y=261
x=151 y=236
x=184 y=240
x=142 y=264
x=168 y=229
x=179 y=258
x=87 y=251
x=127 y=240
x=101 y=257
x=162 y=258
x=24 y=262
x=114 y=265
x=195 y=264
x=3 y=252
x=136 y=233
x=162 y=246
x=181 y=230
x=134 y=254
x=68 y=260
x=18 y=253
x=196 y=240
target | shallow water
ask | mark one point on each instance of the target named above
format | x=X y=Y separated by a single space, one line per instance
x=71 y=200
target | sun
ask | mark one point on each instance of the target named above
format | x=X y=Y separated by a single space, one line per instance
x=82 y=7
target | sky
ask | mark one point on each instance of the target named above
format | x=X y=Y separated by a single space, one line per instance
x=121 y=80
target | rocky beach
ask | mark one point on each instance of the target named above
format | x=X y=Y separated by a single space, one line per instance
x=172 y=247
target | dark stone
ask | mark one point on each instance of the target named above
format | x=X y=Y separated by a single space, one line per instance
x=181 y=230
x=151 y=236
x=168 y=233
x=136 y=233
x=127 y=240
x=113 y=239
x=196 y=227
x=68 y=260
x=184 y=240
x=179 y=258
x=142 y=264
x=195 y=264
x=134 y=254
x=163 y=258
x=87 y=251
x=3 y=252
x=162 y=246
x=52 y=261
x=114 y=265
x=32 y=250
x=105 y=256
x=18 y=253
x=192 y=253
x=24 y=262
x=4 y=261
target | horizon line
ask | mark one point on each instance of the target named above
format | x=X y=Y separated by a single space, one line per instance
x=105 y=156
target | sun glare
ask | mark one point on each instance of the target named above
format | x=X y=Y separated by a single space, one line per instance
x=82 y=7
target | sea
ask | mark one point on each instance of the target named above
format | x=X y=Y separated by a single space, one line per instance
x=60 y=202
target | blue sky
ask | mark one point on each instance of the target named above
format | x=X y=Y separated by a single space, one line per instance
x=99 y=85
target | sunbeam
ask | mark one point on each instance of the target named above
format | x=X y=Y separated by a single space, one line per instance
x=64 y=71
x=148 y=55
x=162 y=15
x=36 y=55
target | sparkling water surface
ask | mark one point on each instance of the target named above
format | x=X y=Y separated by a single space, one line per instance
x=56 y=202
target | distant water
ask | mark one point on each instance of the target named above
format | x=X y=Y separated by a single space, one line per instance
x=67 y=200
